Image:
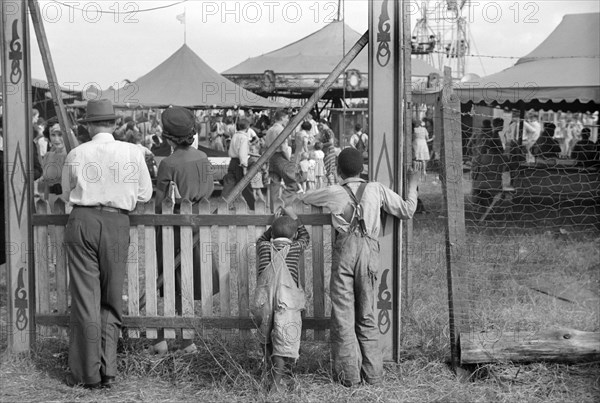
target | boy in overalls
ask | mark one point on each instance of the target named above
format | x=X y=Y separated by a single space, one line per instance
x=355 y=207
x=278 y=299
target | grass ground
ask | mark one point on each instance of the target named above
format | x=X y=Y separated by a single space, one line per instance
x=514 y=278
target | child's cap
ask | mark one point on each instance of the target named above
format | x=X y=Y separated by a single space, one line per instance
x=284 y=227
x=350 y=162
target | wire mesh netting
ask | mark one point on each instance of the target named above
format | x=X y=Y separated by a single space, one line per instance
x=531 y=258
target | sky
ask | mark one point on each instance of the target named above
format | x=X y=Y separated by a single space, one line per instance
x=104 y=49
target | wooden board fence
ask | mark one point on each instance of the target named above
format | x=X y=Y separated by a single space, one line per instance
x=221 y=245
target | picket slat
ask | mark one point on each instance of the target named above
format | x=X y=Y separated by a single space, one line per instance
x=42 y=264
x=230 y=252
x=318 y=289
x=150 y=274
x=168 y=258
x=224 y=263
x=57 y=242
x=187 y=270
x=206 y=262
x=243 y=280
x=133 y=275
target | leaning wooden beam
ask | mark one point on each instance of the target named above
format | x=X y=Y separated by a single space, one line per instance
x=40 y=32
x=308 y=106
x=556 y=345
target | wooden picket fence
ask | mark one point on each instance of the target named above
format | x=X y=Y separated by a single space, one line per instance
x=226 y=237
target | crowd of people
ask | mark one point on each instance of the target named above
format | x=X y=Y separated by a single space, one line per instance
x=495 y=149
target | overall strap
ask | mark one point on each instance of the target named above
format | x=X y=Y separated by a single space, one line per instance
x=357 y=219
x=359 y=193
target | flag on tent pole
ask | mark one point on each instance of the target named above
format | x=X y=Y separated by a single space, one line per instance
x=181 y=18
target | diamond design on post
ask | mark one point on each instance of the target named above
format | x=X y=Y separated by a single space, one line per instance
x=18 y=168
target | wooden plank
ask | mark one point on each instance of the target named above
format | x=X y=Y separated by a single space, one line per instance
x=62 y=294
x=194 y=220
x=206 y=272
x=150 y=273
x=168 y=239
x=133 y=275
x=451 y=158
x=305 y=269
x=224 y=262
x=404 y=154
x=42 y=265
x=243 y=280
x=187 y=271
x=555 y=345
x=318 y=274
x=179 y=322
x=260 y=208
x=18 y=177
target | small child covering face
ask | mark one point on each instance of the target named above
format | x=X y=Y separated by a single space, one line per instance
x=278 y=299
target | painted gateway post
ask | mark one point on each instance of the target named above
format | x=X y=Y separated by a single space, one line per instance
x=18 y=172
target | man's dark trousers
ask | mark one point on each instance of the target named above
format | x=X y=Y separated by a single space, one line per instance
x=97 y=242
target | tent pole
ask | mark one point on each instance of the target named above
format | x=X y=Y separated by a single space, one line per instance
x=318 y=94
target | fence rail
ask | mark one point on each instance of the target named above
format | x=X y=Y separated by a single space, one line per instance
x=190 y=244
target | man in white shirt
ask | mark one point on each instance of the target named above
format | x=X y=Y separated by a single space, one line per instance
x=103 y=179
x=239 y=154
x=531 y=130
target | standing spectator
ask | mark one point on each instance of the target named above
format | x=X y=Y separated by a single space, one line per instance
x=302 y=140
x=313 y=133
x=487 y=171
x=256 y=184
x=330 y=162
x=280 y=165
x=419 y=144
x=320 y=167
x=185 y=174
x=137 y=138
x=546 y=147
x=586 y=152
x=303 y=171
x=360 y=140
x=52 y=164
x=327 y=136
x=239 y=154
x=311 y=177
x=97 y=240
x=562 y=136
x=532 y=130
x=355 y=207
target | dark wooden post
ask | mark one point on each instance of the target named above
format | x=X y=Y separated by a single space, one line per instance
x=18 y=174
x=451 y=159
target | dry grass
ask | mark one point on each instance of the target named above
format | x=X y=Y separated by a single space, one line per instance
x=502 y=271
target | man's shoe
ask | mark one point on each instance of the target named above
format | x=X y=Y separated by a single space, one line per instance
x=70 y=381
x=108 y=382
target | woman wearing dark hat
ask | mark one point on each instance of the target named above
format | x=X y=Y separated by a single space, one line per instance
x=185 y=174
